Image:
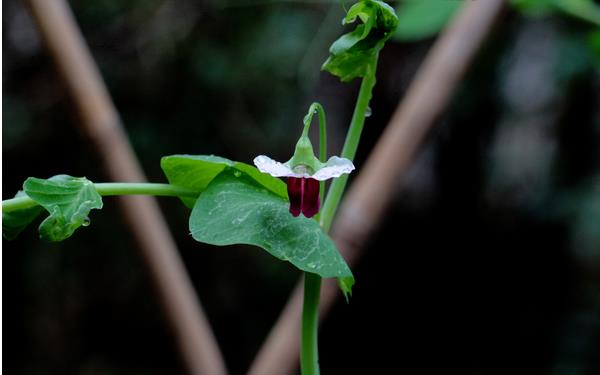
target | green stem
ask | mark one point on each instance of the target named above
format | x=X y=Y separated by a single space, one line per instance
x=145 y=188
x=316 y=107
x=19 y=203
x=336 y=190
x=112 y=188
x=309 y=356
x=309 y=352
x=322 y=133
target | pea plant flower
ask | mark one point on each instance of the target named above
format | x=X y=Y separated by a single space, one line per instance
x=303 y=172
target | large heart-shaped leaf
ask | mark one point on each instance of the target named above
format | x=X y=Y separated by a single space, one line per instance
x=67 y=199
x=235 y=209
x=197 y=171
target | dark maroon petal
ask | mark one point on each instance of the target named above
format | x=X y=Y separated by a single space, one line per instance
x=310 y=199
x=295 y=187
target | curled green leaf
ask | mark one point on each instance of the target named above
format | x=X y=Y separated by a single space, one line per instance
x=67 y=199
x=355 y=53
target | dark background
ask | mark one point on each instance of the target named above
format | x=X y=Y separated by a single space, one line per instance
x=489 y=260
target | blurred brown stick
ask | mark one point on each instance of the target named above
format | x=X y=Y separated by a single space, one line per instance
x=100 y=123
x=364 y=206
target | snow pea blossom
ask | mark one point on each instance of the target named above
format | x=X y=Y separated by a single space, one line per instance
x=303 y=172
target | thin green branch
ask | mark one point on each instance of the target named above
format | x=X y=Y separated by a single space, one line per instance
x=309 y=350
x=336 y=190
x=146 y=188
x=112 y=188
x=309 y=353
x=19 y=203
x=322 y=132
x=309 y=359
x=317 y=108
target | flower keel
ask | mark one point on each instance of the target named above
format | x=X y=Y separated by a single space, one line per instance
x=304 y=196
x=310 y=199
x=294 y=188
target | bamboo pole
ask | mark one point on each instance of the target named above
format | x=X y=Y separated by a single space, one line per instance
x=364 y=206
x=100 y=124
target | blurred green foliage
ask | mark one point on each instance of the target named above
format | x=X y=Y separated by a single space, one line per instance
x=586 y=10
x=420 y=19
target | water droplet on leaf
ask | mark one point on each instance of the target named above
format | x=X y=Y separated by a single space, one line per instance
x=237 y=173
x=86 y=222
x=368 y=112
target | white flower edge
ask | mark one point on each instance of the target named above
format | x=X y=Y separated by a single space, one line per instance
x=276 y=169
x=335 y=167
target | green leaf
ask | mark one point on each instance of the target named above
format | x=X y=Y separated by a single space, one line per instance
x=67 y=199
x=533 y=7
x=236 y=210
x=593 y=41
x=346 y=284
x=197 y=171
x=586 y=10
x=421 y=19
x=14 y=222
x=355 y=53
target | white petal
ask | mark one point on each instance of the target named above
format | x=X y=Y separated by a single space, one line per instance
x=335 y=167
x=276 y=169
